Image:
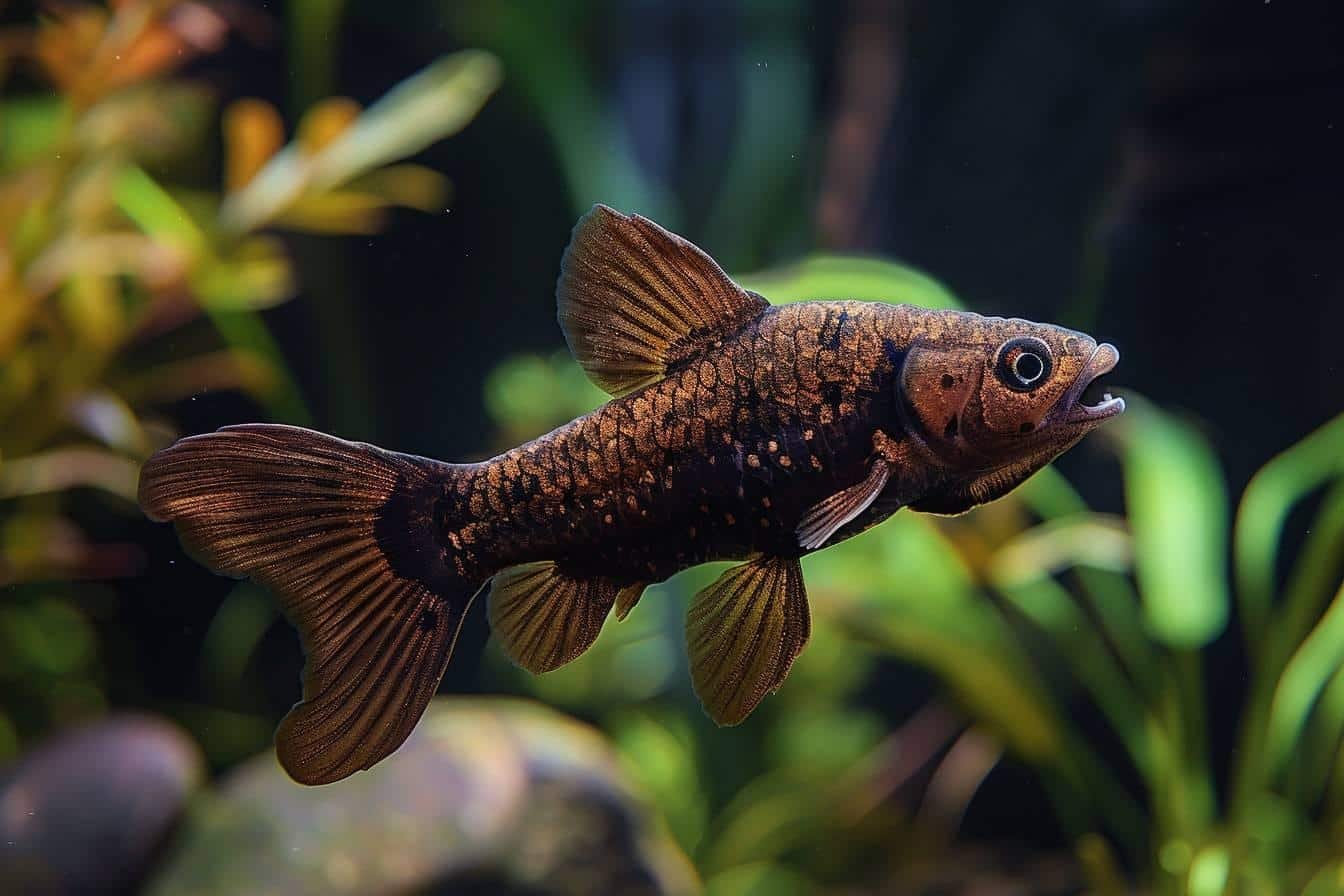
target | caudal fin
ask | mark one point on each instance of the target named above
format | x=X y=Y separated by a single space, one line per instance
x=342 y=532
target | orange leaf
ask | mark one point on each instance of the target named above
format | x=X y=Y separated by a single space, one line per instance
x=325 y=122
x=253 y=132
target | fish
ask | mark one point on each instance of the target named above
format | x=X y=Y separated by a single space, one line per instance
x=736 y=430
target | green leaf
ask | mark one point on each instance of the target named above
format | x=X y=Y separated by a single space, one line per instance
x=425 y=108
x=64 y=468
x=1303 y=680
x=990 y=678
x=769 y=818
x=31 y=125
x=157 y=213
x=255 y=275
x=1265 y=506
x=526 y=394
x=658 y=752
x=758 y=879
x=1178 y=512
x=849 y=277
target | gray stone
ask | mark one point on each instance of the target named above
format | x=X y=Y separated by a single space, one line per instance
x=88 y=811
x=487 y=796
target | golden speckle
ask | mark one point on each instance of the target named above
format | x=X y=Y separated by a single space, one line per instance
x=816 y=462
x=608 y=519
x=753 y=460
x=773 y=446
x=631 y=502
x=785 y=461
x=808 y=434
x=765 y=502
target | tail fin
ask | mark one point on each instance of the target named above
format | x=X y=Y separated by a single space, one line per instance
x=342 y=532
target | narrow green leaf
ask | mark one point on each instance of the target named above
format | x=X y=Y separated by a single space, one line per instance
x=65 y=468
x=1303 y=680
x=31 y=126
x=156 y=212
x=311 y=26
x=994 y=685
x=1178 y=512
x=1265 y=506
x=425 y=108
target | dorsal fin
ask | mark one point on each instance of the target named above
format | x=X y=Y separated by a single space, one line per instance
x=635 y=299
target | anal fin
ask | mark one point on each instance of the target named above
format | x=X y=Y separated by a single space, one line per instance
x=743 y=633
x=544 y=617
x=827 y=517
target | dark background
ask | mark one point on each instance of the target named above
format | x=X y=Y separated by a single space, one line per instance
x=1166 y=176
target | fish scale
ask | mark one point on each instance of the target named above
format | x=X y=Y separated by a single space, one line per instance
x=580 y=520
x=736 y=431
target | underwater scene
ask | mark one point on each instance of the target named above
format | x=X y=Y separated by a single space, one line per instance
x=671 y=447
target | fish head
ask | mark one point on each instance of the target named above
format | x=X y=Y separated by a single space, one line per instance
x=991 y=391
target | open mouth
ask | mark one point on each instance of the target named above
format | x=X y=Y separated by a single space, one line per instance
x=1088 y=399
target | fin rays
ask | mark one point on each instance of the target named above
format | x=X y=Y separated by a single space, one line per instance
x=633 y=299
x=830 y=515
x=543 y=617
x=743 y=633
x=320 y=522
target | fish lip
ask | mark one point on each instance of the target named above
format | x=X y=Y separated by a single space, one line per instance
x=1102 y=361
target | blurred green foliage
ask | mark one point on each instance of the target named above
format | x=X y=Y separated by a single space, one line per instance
x=1021 y=610
x=125 y=286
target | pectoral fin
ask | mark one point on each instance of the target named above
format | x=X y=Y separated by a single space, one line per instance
x=633 y=299
x=827 y=517
x=961 y=497
x=743 y=633
x=544 y=617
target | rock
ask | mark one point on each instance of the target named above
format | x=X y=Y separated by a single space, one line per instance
x=487 y=796
x=88 y=811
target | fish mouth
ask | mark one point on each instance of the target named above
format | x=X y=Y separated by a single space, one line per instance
x=1087 y=400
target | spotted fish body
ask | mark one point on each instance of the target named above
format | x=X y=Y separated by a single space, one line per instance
x=738 y=431
x=718 y=461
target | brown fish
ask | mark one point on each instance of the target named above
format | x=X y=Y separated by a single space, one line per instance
x=740 y=431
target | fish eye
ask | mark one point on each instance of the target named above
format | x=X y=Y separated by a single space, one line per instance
x=1024 y=363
